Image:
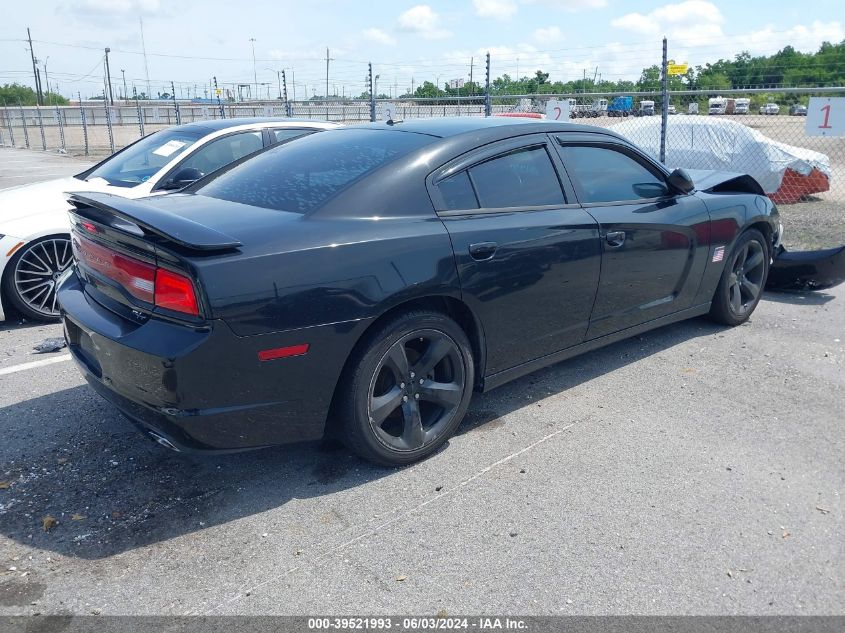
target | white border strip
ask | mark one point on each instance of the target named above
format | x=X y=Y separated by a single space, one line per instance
x=36 y=363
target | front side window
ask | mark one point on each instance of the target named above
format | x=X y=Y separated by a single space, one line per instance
x=141 y=161
x=522 y=178
x=604 y=174
x=223 y=151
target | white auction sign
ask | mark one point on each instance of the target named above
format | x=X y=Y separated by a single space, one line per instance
x=387 y=112
x=557 y=110
x=825 y=116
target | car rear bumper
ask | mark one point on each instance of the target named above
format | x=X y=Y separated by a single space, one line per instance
x=201 y=389
x=801 y=270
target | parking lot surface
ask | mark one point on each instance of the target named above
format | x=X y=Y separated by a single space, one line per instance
x=695 y=469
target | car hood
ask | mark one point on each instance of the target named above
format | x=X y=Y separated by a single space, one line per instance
x=41 y=203
x=709 y=180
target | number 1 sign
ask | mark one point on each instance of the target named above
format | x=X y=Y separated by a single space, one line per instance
x=825 y=116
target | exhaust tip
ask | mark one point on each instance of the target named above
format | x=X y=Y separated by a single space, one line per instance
x=160 y=439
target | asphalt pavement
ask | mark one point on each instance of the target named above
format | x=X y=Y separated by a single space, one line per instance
x=696 y=469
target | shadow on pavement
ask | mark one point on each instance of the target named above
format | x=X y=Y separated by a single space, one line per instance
x=797 y=298
x=71 y=456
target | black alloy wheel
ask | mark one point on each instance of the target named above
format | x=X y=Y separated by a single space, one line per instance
x=743 y=280
x=409 y=390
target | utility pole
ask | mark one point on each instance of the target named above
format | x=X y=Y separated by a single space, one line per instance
x=39 y=96
x=488 y=106
x=471 y=60
x=146 y=65
x=328 y=59
x=254 y=73
x=219 y=103
x=372 y=94
x=293 y=83
x=125 y=94
x=46 y=76
x=108 y=77
x=287 y=103
x=664 y=97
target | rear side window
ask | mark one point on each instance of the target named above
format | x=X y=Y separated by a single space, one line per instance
x=603 y=174
x=280 y=136
x=457 y=192
x=301 y=177
x=522 y=178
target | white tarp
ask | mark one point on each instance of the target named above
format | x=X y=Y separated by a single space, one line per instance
x=698 y=142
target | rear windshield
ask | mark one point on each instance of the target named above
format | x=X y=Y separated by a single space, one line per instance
x=302 y=175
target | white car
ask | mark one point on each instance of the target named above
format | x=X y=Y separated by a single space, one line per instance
x=770 y=108
x=785 y=172
x=34 y=225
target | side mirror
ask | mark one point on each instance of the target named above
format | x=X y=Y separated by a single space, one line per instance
x=183 y=178
x=680 y=181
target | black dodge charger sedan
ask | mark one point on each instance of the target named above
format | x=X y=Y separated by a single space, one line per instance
x=364 y=281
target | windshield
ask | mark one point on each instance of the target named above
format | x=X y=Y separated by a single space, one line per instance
x=139 y=162
x=304 y=174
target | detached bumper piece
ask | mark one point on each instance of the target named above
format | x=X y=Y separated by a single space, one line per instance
x=807 y=270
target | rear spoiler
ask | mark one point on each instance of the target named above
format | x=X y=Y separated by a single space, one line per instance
x=175 y=228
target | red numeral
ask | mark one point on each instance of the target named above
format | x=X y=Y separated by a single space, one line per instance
x=826 y=125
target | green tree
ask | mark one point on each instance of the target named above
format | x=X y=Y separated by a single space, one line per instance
x=14 y=94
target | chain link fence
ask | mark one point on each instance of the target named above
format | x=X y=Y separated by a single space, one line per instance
x=759 y=132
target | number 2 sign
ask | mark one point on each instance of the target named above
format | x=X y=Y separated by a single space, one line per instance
x=825 y=116
x=557 y=110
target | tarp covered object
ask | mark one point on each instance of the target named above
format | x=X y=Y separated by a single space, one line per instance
x=695 y=142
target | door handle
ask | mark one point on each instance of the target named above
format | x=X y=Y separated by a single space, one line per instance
x=615 y=239
x=482 y=250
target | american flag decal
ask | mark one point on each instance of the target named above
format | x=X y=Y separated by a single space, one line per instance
x=718 y=253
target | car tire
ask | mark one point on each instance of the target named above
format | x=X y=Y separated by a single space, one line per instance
x=39 y=262
x=743 y=279
x=388 y=408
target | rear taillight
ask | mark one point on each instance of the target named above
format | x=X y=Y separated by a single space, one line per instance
x=151 y=284
x=175 y=292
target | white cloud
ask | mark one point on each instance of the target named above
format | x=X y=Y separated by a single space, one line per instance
x=548 y=35
x=570 y=5
x=690 y=20
x=497 y=9
x=378 y=36
x=119 y=6
x=802 y=38
x=636 y=22
x=423 y=20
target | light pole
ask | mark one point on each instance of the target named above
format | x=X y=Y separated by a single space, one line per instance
x=46 y=76
x=278 y=78
x=125 y=94
x=108 y=77
x=375 y=87
x=254 y=72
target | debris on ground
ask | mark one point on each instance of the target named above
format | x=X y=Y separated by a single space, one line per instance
x=50 y=345
x=49 y=523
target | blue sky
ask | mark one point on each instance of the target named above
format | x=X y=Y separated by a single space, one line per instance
x=188 y=41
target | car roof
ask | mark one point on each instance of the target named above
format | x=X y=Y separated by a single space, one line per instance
x=215 y=125
x=446 y=127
